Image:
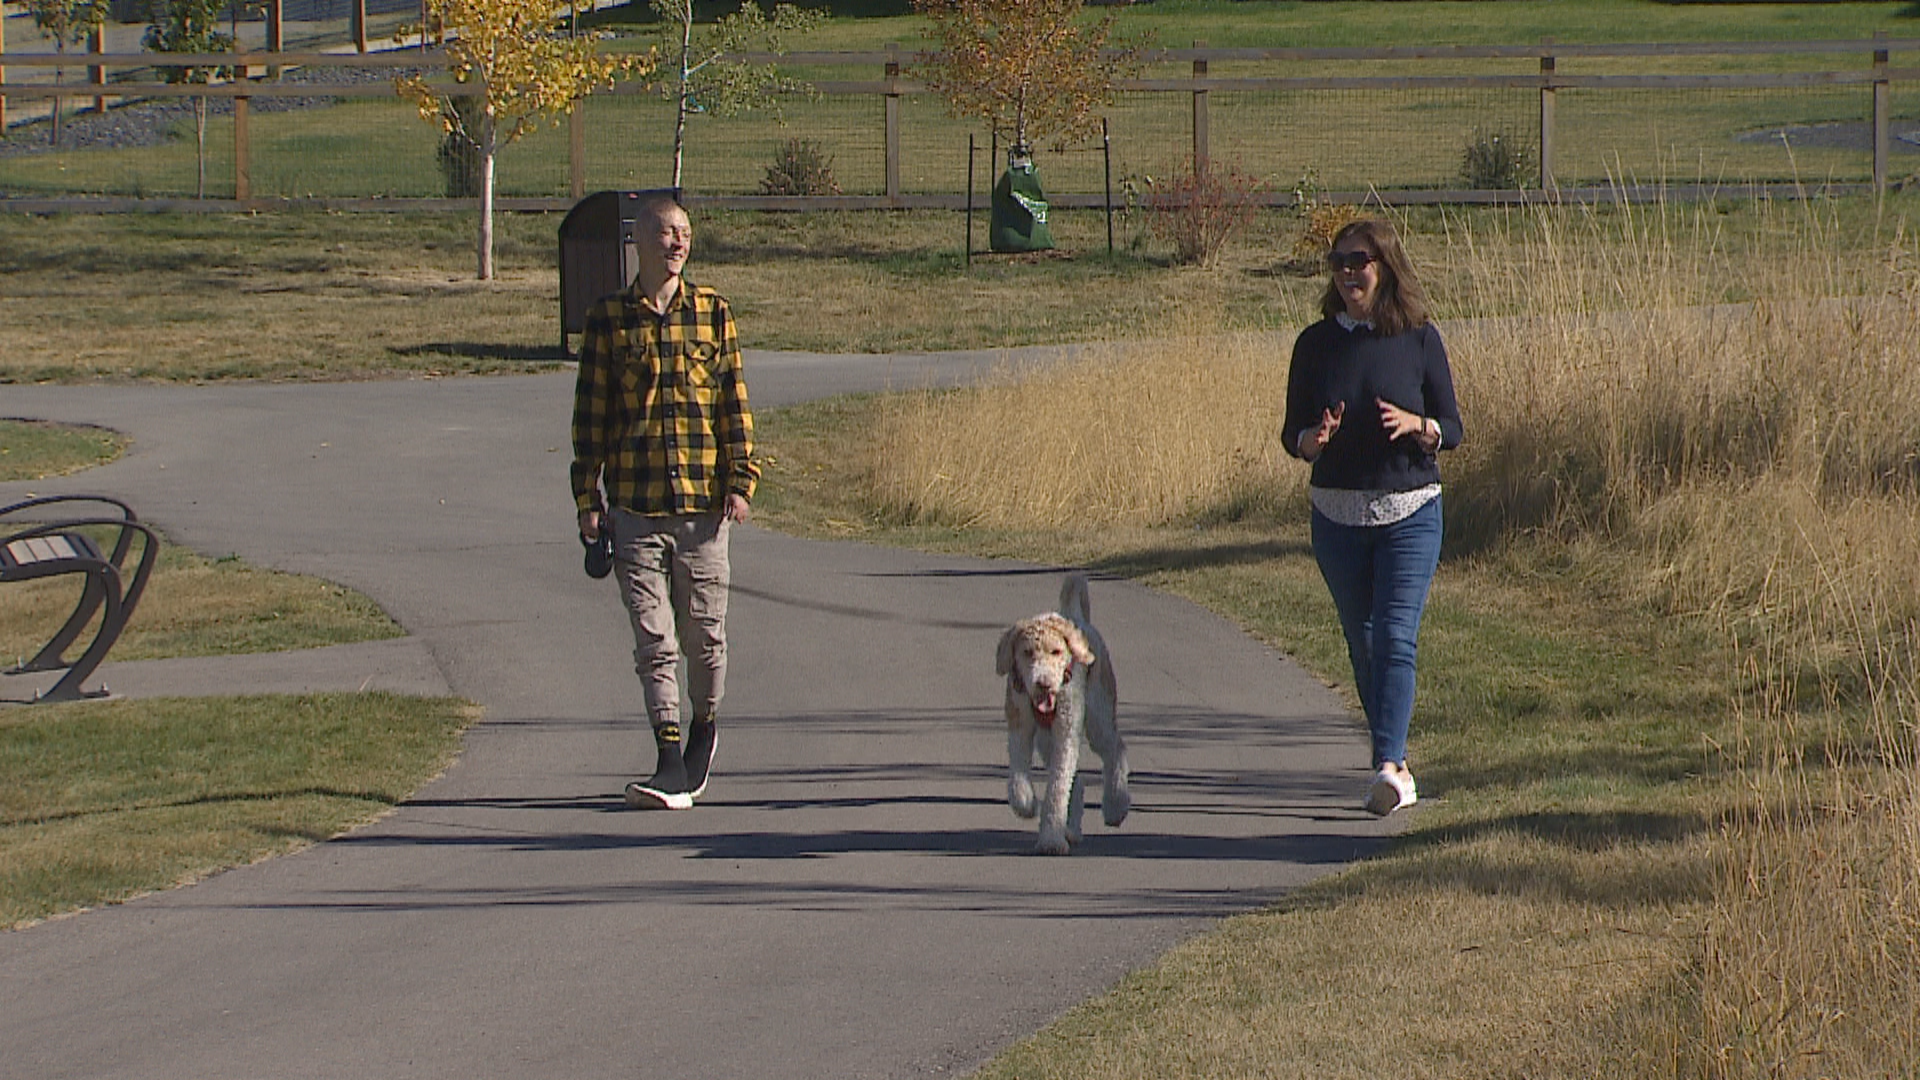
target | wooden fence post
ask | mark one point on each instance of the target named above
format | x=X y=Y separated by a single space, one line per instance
x=242 y=151
x=358 y=19
x=577 y=149
x=893 y=124
x=96 y=74
x=275 y=35
x=966 y=250
x=1882 y=95
x=1200 y=153
x=1546 y=117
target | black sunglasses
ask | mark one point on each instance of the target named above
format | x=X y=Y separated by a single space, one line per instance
x=1350 y=260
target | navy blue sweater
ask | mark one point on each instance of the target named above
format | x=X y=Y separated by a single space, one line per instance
x=1331 y=365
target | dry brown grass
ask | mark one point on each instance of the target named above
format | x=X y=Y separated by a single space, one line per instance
x=348 y=296
x=1122 y=435
x=303 y=297
x=1810 y=958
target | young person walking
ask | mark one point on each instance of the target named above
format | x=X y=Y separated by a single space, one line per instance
x=661 y=426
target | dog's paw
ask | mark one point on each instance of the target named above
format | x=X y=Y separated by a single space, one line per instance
x=1114 y=806
x=1053 y=844
x=1020 y=797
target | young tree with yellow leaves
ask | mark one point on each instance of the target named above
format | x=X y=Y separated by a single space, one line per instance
x=527 y=68
x=1032 y=69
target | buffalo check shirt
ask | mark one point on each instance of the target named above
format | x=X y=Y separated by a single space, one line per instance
x=660 y=413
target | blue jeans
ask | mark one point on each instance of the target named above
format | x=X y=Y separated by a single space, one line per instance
x=1379 y=576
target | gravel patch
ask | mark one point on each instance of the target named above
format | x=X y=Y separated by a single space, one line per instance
x=152 y=122
x=1838 y=135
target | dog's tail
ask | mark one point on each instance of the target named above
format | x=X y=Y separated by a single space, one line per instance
x=1073 y=600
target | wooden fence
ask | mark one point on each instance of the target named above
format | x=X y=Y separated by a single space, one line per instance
x=1199 y=77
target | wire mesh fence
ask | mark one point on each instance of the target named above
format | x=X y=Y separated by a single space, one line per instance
x=1388 y=138
x=1728 y=136
x=337 y=131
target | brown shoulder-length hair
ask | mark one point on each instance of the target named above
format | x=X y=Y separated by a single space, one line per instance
x=1399 y=304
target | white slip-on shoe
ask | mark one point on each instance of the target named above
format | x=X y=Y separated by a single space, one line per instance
x=1389 y=791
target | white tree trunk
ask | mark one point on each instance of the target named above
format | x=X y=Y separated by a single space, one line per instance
x=686 y=90
x=487 y=147
x=1020 y=117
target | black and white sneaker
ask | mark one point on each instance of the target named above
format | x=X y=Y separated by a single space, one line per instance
x=702 y=737
x=667 y=788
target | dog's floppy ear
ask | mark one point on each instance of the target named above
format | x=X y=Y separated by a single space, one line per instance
x=1003 y=654
x=1076 y=643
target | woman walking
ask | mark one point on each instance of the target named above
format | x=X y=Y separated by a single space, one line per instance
x=1370 y=404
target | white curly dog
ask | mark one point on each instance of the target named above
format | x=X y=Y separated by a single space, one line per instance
x=1059 y=684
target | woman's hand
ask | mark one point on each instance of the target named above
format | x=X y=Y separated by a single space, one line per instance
x=1401 y=423
x=1315 y=439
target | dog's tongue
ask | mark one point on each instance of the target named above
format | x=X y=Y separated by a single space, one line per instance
x=1044 y=709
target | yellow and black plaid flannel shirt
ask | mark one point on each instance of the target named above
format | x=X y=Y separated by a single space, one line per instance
x=660 y=411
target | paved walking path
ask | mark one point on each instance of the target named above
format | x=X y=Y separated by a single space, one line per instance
x=853 y=899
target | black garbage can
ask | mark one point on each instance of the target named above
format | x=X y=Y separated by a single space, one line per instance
x=597 y=256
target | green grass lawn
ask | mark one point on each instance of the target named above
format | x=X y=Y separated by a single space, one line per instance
x=34 y=451
x=380 y=149
x=108 y=800
x=1369 y=23
x=197 y=605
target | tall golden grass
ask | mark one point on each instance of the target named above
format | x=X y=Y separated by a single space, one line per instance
x=1700 y=407
x=1719 y=427
x=1117 y=434
x=1737 y=437
x=1810 y=960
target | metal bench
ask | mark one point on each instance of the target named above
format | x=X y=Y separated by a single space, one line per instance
x=51 y=547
